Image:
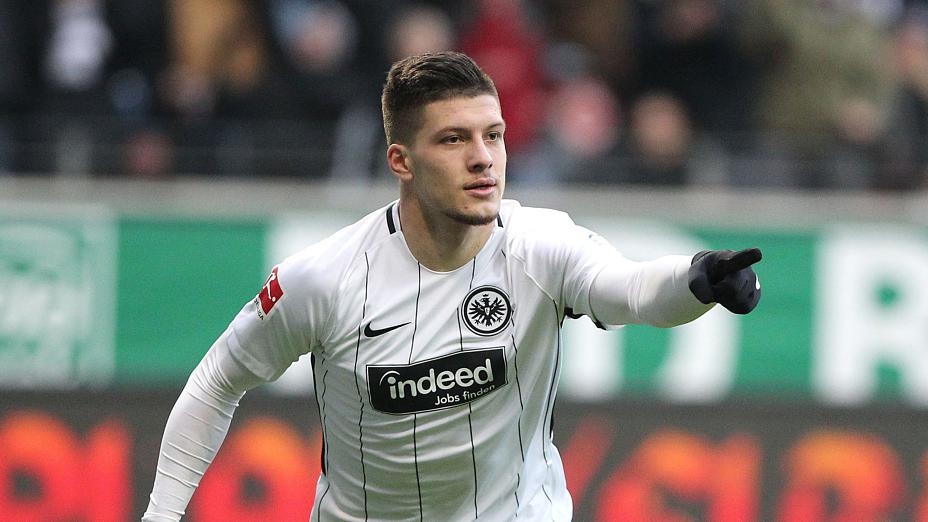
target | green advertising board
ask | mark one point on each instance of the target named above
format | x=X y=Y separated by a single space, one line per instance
x=96 y=296
x=57 y=291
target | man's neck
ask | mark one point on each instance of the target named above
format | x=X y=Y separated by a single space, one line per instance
x=439 y=242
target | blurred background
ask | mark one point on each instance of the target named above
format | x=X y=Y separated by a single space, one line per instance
x=158 y=157
x=816 y=94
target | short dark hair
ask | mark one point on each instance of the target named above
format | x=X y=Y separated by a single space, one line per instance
x=418 y=80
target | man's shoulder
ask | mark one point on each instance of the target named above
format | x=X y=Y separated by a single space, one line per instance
x=323 y=264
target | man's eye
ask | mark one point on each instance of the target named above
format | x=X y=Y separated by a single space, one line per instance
x=495 y=136
x=452 y=139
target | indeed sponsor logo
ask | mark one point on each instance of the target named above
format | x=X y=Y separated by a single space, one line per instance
x=446 y=380
x=437 y=383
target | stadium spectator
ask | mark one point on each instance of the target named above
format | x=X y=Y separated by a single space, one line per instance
x=74 y=67
x=433 y=325
x=22 y=29
x=905 y=164
x=505 y=39
x=219 y=60
x=664 y=148
x=689 y=49
x=660 y=137
x=581 y=137
x=148 y=154
x=418 y=28
x=822 y=81
x=219 y=71
x=606 y=30
x=332 y=52
x=412 y=28
x=137 y=145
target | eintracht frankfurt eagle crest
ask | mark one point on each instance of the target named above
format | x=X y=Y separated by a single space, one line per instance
x=486 y=310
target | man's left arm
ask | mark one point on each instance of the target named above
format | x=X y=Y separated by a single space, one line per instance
x=674 y=290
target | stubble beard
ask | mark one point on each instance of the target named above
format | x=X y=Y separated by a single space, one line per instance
x=472 y=219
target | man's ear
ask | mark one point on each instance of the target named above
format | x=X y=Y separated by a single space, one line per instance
x=398 y=161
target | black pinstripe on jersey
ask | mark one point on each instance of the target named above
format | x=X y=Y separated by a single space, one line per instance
x=415 y=416
x=357 y=384
x=470 y=407
x=515 y=364
x=320 y=401
x=549 y=404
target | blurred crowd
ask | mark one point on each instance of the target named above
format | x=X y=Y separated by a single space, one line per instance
x=805 y=94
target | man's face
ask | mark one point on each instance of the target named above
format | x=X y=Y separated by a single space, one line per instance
x=458 y=159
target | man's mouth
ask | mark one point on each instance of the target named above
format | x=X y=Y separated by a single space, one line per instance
x=481 y=187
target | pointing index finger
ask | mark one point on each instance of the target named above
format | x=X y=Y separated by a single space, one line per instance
x=740 y=260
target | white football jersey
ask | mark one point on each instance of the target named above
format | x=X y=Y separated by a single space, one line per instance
x=435 y=389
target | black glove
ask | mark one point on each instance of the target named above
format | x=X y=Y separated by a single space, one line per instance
x=726 y=277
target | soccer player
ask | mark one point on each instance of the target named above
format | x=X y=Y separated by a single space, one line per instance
x=433 y=326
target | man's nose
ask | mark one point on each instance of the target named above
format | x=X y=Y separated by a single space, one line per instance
x=480 y=158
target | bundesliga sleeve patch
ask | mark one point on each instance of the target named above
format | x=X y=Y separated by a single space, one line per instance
x=269 y=296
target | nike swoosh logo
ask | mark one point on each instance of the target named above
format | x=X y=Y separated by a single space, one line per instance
x=370 y=332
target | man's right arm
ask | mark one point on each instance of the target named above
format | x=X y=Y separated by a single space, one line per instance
x=270 y=332
x=196 y=428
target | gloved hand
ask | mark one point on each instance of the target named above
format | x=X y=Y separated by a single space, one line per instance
x=726 y=277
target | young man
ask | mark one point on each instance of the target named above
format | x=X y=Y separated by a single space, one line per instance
x=433 y=324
